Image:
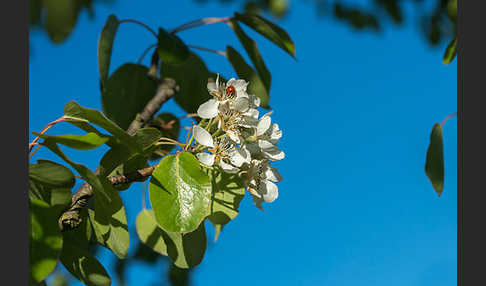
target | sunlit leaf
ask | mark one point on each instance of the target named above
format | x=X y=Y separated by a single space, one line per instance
x=185 y=250
x=450 y=52
x=51 y=174
x=252 y=50
x=227 y=193
x=269 y=30
x=246 y=72
x=180 y=193
x=434 y=165
x=171 y=48
x=105 y=46
x=80 y=142
x=45 y=240
x=77 y=114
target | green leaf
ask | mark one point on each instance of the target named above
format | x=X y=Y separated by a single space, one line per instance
x=75 y=113
x=450 y=52
x=126 y=93
x=180 y=193
x=60 y=18
x=192 y=78
x=45 y=240
x=51 y=174
x=81 y=235
x=109 y=222
x=169 y=127
x=251 y=49
x=244 y=71
x=269 y=30
x=185 y=250
x=54 y=197
x=150 y=233
x=105 y=46
x=171 y=48
x=434 y=165
x=81 y=142
x=227 y=193
x=84 y=266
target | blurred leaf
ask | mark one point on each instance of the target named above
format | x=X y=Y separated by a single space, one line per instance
x=179 y=276
x=171 y=48
x=80 y=142
x=180 y=193
x=269 y=30
x=105 y=46
x=61 y=17
x=126 y=93
x=59 y=279
x=76 y=113
x=392 y=8
x=51 y=174
x=434 y=165
x=35 y=8
x=192 y=78
x=227 y=193
x=169 y=127
x=45 y=242
x=244 y=71
x=452 y=10
x=84 y=266
x=450 y=52
x=356 y=18
x=252 y=50
x=279 y=8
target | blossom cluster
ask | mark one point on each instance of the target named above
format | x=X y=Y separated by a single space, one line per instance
x=233 y=137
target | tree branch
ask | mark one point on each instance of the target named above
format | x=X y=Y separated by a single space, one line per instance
x=167 y=88
x=71 y=219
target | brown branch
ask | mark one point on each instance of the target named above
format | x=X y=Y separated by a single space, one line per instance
x=167 y=88
x=71 y=219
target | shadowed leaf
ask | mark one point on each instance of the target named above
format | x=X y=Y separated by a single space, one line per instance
x=105 y=46
x=434 y=165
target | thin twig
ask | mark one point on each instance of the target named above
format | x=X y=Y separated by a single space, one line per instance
x=139 y=23
x=48 y=126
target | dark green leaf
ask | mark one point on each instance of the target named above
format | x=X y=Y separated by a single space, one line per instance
x=45 y=240
x=227 y=193
x=185 y=250
x=171 y=48
x=76 y=113
x=61 y=17
x=450 y=52
x=81 y=235
x=434 y=165
x=246 y=72
x=252 y=50
x=126 y=93
x=105 y=46
x=269 y=30
x=81 y=142
x=51 y=174
x=84 y=266
x=192 y=78
x=180 y=193
x=54 y=197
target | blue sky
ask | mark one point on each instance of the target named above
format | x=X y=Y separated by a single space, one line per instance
x=356 y=109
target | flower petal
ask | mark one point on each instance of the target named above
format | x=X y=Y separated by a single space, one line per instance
x=274 y=133
x=239 y=156
x=227 y=167
x=240 y=104
x=233 y=135
x=212 y=86
x=268 y=190
x=205 y=158
x=263 y=124
x=270 y=151
x=203 y=137
x=272 y=174
x=209 y=109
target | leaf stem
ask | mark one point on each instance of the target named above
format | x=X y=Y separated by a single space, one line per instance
x=48 y=126
x=145 y=52
x=139 y=23
x=198 y=23
x=447 y=118
x=221 y=53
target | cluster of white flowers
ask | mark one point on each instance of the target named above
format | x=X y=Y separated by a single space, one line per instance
x=233 y=137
